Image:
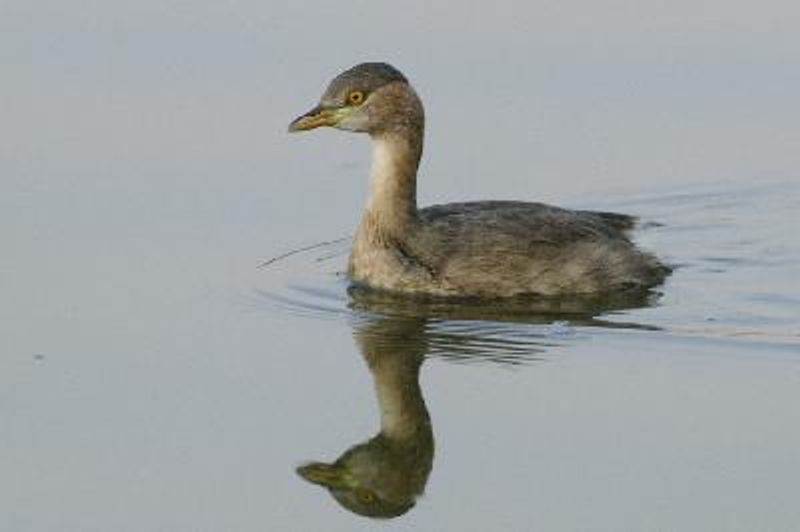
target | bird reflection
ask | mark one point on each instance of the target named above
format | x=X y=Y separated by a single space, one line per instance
x=383 y=476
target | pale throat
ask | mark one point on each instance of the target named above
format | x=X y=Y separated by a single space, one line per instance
x=393 y=192
x=402 y=409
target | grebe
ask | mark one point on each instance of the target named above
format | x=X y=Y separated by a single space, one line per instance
x=482 y=249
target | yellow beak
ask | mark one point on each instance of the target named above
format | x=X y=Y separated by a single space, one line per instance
x=317 y=117
x=327 y=475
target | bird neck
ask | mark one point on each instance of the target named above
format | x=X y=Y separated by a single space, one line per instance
x=392 y=205
x=402 y=408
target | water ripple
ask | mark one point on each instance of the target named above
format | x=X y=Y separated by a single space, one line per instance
x=737 y=280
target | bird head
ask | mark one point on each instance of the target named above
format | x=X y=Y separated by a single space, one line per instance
x=369 y=98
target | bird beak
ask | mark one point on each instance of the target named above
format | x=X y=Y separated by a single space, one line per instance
x=328 y=475
x=317 y=117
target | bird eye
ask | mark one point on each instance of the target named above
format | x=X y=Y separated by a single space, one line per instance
x=366 y=497
x=355 y=98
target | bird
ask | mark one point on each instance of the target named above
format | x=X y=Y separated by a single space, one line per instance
x=478 y=249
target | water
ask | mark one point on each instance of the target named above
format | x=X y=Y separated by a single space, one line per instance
x=678 y=415
x=154 y=375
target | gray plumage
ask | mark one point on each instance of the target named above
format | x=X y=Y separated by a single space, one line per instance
x=476 y=249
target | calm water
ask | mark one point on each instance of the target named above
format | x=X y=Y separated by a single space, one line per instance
x=154 y=377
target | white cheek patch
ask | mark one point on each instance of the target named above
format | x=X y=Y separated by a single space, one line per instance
x=356 y=120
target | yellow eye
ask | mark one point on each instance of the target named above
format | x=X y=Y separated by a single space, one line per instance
x=355 y=98
x=366 y=497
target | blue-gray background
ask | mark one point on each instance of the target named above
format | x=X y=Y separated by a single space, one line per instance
x=145 y=171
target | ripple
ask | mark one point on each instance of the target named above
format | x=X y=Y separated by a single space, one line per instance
x=509 y=332
x=736 y=256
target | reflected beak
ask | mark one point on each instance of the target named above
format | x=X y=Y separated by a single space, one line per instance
x=327 y=475
x=317 y=117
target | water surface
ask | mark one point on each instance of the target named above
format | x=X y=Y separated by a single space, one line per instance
x=154 y=377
